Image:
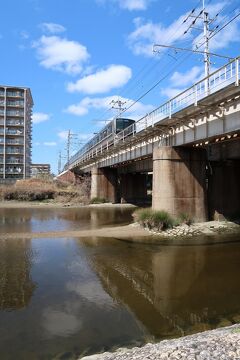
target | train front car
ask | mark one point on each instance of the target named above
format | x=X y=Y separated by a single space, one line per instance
x=106 y=138
x=122 y=123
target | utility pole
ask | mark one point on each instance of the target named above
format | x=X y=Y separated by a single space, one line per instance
x=206 y=50
x=59 y=162
x=70 y=136
x=206 y=40
x=203 y=14
x=118 y=105
x=68 y=145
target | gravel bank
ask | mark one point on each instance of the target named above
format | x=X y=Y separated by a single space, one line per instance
x=220 y=344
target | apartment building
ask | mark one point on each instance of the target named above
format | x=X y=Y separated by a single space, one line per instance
x=15 y=132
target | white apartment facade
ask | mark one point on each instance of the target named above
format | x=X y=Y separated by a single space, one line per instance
x=15 y=132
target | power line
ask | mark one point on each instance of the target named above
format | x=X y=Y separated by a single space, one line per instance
x=164 y=77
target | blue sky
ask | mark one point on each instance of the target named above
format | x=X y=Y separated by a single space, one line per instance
x=79 y=55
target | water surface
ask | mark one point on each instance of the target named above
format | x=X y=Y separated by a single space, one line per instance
x=60 y=298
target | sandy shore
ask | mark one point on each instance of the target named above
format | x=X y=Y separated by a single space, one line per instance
x=220 y=344
x=51 y=204
x=119 y=232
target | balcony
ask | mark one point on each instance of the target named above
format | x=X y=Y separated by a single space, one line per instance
x=14 y=132
x=14 y=112
x=14 y=142
x=13 y=103
x=16 y=170
x=15 y=94
x=13 y=160
x=16 y=151
x=14 y=123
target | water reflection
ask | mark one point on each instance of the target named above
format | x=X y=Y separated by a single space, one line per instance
x=172 y=290
x=16 y=284
x=60 y=219
x=73 y=296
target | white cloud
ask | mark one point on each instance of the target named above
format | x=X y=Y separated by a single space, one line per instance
x=170 y=92
x=147 y=34
x=49 y=143
x=24 y=35
x=189 y=77
x=129 y=4
x=102 y=81
x=52 y=28
x=84 y=106
x=60 y=54
x=181 y=80
x=39 y=117
x=134 y=4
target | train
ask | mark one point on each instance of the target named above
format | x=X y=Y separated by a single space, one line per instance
x=106 y=135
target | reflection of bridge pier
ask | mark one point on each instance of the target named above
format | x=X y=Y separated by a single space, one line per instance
x=172 y=290
x=157 y=288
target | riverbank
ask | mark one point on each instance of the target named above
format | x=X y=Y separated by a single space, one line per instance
x=195 y=234
x=219 y=344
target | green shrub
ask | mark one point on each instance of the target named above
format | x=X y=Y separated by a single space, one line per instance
x=97 y=200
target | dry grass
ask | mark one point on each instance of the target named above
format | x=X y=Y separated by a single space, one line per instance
x=46 y=190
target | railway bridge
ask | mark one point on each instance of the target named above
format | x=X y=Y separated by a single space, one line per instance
x=189 y=147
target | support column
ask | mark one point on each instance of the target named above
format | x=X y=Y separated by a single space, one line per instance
x=179 y=181
x=133 y=188
x=104 y=183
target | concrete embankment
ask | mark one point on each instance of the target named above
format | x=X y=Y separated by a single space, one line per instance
x=220 y=344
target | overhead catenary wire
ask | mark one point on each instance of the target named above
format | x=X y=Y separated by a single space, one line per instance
x=150 y=65
x=164 y=77
x=215 y=31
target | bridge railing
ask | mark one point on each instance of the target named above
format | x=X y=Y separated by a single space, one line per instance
x=226 y=75
x=219 y=79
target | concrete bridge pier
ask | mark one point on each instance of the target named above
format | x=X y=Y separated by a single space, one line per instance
x=133 y=188
x=104 y=183
x=179 y=181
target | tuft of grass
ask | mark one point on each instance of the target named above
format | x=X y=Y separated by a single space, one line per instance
x=98 y=200
x=185 y=218
x=159 y=220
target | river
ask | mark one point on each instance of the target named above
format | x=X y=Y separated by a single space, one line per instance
x=61 y=298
